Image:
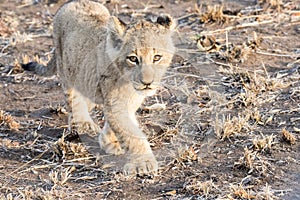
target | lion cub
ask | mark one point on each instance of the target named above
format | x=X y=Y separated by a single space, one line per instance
x=101 y=60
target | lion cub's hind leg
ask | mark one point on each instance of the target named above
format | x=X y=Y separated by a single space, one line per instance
x=109 y=142
x=80 y=117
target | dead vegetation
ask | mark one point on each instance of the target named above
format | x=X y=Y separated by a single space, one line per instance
x=263 y=143
x=6 y=120
x=287 y=136
x=204 y=189
x=241 y=192
x=224 y=125
x=65 y=150
x=212 y=14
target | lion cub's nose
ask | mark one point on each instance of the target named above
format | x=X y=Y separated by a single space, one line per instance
x=146 y=82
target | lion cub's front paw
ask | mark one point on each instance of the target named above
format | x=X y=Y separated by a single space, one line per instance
x=141 y=164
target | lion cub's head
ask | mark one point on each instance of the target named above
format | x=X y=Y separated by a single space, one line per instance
x=143 y=50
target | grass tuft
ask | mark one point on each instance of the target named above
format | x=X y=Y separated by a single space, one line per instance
x=232 y=126
x=204 y=188
x=7 y=120
x=288 y=137
x=263 y=143
x=213 y=14
x=240 y=192
x=187 y=154
x=65 y=150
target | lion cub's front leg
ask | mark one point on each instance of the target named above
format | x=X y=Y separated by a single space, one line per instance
x=109 y=142
x=141 y=160
x=80 y=117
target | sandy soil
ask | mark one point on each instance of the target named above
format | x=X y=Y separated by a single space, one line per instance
x=230 y=129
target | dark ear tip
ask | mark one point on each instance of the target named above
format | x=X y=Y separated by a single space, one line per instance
x=165 y=20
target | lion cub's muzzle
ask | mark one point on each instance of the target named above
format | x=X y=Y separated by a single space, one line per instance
x=145 y=86
x=145 y=79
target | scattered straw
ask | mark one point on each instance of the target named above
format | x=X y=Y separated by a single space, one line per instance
x=204 y=188
x=241 y=192
x=7 y=120
x=287 y=136
x=263 y=143
x=213 y=14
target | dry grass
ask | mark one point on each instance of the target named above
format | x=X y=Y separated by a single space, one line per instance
x=254 y=163
x=36 y=58
x=16 y=68
x=205 y=188
x=212 y=14
x=61 y=176
x=271 y=4
x=187 y=154
x=7 y=120
x=287 y=136
x=240 y=192
x=232 y=126
x=70 y=151
x=248 y=158
x=252 y=88
x=263 y=143
x=236 y=53
x=30 y=193
x=267 y=193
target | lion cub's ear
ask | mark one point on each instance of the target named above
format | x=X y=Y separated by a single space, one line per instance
x=114 y=41
x=117 y=26
x=167 y=21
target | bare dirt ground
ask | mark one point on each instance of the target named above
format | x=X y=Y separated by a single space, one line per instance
x=229 y=130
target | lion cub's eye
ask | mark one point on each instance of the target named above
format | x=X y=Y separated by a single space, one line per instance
x=157 y=58
x=133 y=59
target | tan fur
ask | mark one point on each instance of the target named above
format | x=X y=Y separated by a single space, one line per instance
x=93 y=60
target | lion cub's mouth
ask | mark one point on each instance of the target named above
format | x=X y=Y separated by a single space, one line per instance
x=146 y=89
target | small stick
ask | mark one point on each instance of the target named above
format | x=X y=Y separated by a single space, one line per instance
x=187 y=16
x=266 y=72
x=237 y=27
x=274 y=54
x=35 y=158
x=78 y=159
x=227 y=45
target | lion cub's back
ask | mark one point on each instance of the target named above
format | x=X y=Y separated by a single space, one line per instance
x=82 y=15
x=78 y=28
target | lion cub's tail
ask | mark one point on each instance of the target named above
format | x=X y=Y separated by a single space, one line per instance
x=42 y=70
